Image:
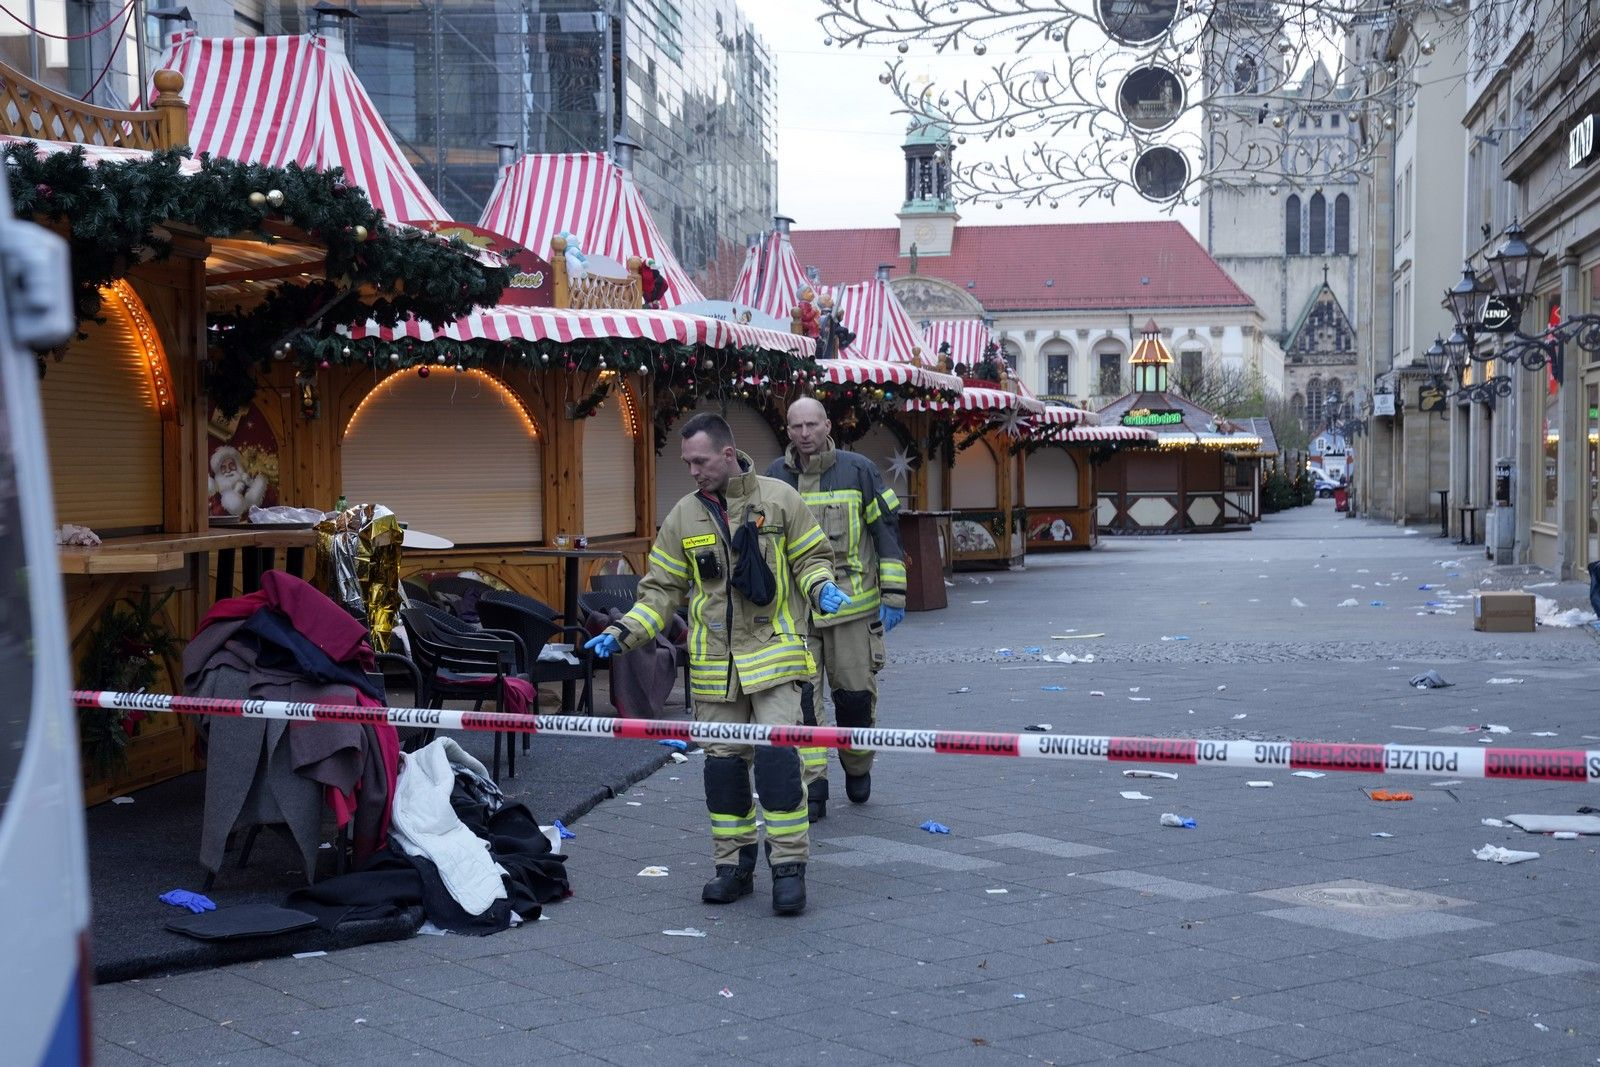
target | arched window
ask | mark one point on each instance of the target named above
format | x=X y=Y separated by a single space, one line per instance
x=1291 y=226
x=1341 y=224
x=1108 y=356
x=1298 y=404
x=1057 y=367
x=1315 y=395
x=1317 y=239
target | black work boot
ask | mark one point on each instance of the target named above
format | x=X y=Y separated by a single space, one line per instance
x=732 y=882
x=789 y=888
x=858 y=787
x=817 y=799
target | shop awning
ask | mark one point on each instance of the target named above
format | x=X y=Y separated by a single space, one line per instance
x=282 y=100
x=95 y=153
x=1102 y=434
x=587 y=195
x=981 y=398
x=883 y=329
x=967 y=338
x=1056 y=415
x=876 y=372
x=771 y=279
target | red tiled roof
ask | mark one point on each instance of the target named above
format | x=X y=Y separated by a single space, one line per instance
x=1120 y=265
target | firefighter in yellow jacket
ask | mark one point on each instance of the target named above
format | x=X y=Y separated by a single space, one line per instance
x=862 y=519
x=752 y=561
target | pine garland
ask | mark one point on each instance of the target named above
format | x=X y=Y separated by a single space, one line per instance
x=122 y=656
x=115 y=216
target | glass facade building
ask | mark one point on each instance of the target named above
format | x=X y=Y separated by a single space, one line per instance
x=688 y=79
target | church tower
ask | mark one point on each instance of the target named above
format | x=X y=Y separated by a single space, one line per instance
x=928 y=217
x=1290 y=231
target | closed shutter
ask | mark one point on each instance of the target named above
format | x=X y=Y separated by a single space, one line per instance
x=879 y=444
x=104 y=430
x=751 y=434
x=452 y=454
x=974 y=481
x=608 y=472
x=1052 y=479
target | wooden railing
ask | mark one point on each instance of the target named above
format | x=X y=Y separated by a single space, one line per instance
x=594 y=292
x=29 y=109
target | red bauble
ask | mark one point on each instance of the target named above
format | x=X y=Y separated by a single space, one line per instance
x=423 y=372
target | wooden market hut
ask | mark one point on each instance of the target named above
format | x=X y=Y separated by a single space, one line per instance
x=1200 y=477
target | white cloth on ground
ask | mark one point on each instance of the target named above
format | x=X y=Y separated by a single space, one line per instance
x=424 y=824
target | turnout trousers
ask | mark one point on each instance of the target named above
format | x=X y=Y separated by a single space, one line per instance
x=778 y=782
x=850 y=655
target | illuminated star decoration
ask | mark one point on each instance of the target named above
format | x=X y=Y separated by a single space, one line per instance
x=900 y=465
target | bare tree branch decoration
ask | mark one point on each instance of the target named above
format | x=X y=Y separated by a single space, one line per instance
x=1164 y=97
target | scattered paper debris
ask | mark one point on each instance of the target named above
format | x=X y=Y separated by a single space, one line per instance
x=309 y=955
x=1259 y=785
x=1134 y=794
x=1096 y=693
x=1164 y=775
x=1496 y=854
x=980 y=601
x=1176 y=637
x=1380 y=833
x=1004 y=652
x=996 y=892
x=1176 y=821
x=1134 y=688
x=1308 y=774
x=726 y=992
x=963 y=689
x=935 y=827
x=1485 y=740
x=1039 y=728
x=1545 y=824
x=1073 y=637
x=1052 y=689
x=687 y=931
x=653 y=872
x=1446 y=782
x=1140 y=700
x=679 y=757
x=1543 y=733
x=1496 y=823
x=634 y=804
x=1220 y=688
x=1068 y=657
x=1241 y=715
x=1349 y=602
x=1294 y=601
x=1506 y=681
x=1564 y=835
x=1493 y=729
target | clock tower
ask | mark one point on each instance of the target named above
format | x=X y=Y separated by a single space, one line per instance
x=928 y=216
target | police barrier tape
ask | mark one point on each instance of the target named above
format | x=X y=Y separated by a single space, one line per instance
x=1536 y=764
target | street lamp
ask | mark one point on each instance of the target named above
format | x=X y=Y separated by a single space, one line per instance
x=1463 y=298
x=1514 y=266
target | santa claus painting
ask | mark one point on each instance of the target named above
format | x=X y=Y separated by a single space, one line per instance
x=243 y=472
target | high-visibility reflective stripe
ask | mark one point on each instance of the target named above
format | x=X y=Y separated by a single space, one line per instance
x=805 y=543
x=784 y=621
x=813 y=757
x=785 y=823
x=798 y=671
x=647 y=618
x=673 y=567
x=731 y=826
x=891 y=571
x=787 y=645
x=890 y=499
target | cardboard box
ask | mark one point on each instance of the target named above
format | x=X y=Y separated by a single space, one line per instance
x=1503 y=613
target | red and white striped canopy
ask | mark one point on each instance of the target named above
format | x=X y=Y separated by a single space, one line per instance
x=553 y=324
x=968 y=338
x=771 y=278
x=1094 y=434
x=1056 y=415
x=587 y=195
x=883 y=329
x=875 y=372
x=96 y=154
x=282 y=100
x=981 y=398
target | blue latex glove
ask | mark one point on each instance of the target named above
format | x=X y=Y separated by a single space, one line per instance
x=832 y=600
x=890 y=617
x=602 y=646
x=182 y=898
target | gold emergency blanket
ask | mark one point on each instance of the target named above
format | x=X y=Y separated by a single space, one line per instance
x=358 y=565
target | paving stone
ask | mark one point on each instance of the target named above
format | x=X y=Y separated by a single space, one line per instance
x=1214 y=1019
x=1539 y=962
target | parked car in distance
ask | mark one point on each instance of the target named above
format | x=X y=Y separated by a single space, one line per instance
x=1325 y=485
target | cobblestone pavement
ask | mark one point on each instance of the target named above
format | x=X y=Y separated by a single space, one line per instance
x=1058 y=922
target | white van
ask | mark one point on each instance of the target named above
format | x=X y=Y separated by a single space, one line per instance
x=44 y=880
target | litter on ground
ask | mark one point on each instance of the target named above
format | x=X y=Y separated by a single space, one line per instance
x=1259 y=785
x=1505 y=681
x=1429 y=680
x=1178 y=821
x=1039 y=728
x=687 y=931
x=1294 y=601
x=1068 y=657
x=1165 y=775
x=1308 y=774
x=1241 y=715
x=1496 y=854
x=1380 y=833
x=1386 y=794
x=1349 y=602
x=1134 y=794
x=1549 y=824
x=935 y=827
x=653 y=872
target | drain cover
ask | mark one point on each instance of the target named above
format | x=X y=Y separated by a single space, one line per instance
x=1366 y=898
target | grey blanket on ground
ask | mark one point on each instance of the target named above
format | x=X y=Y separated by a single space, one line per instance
x=267 y=771
x=642 y=680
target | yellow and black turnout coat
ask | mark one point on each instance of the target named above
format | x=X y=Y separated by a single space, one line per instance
x=734 y=645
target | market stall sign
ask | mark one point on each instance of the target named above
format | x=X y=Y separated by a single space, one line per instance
x=1383 y=404
x=1430 y=398
x=1152 y=417
x=533 y=284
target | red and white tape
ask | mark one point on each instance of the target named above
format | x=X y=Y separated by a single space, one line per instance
x=1535 y=764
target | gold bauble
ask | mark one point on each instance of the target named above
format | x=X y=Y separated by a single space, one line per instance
x=258 y=199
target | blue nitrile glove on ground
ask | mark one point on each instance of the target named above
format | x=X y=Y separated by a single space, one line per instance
x=182 y=898
x=890 y=617
x=832 y=600
x=602 y=646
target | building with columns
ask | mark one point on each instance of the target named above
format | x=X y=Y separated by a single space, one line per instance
x=1067 y=300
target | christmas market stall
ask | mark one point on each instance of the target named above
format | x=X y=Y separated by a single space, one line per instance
x=1201 y=476
x=194 y=281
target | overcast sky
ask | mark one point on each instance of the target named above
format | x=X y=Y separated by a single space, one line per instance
x=839 y=159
